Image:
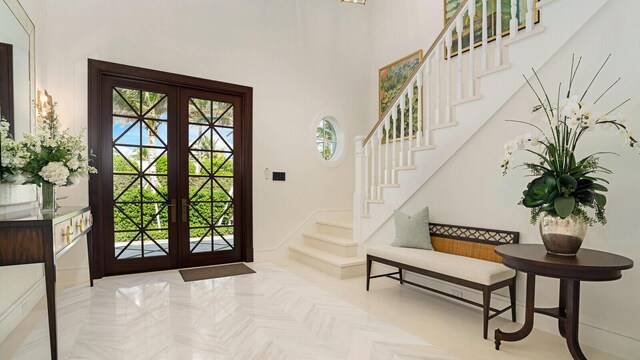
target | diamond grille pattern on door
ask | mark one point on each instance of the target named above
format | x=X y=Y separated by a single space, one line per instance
x=140 y=175
x=210 y=176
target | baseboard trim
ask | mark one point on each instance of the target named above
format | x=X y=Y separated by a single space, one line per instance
x=14 y=315
x=299 y=229
x=602 y=337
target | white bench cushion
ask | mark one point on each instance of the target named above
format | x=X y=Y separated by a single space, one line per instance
x=462 y=267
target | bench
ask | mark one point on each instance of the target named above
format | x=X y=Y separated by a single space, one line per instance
x=463 y=256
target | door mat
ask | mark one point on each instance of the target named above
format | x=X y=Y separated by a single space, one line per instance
x=212 y=272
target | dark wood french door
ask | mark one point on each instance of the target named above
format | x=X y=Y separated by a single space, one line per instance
x=174 y=160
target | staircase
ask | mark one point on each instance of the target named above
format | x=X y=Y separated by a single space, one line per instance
x=330 y=249
x=449 y=96
x=455 y=95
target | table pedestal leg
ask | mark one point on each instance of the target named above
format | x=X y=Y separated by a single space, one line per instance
x=499 y=336
x=562 y=306
x=572 y=323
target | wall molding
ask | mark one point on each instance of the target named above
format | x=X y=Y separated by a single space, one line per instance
x=592 y=333
x=14 y=315
x=296 y=234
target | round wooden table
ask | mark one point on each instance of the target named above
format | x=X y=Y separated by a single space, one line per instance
x=587 y=265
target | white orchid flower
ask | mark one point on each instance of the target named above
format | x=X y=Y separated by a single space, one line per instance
x=509 y=147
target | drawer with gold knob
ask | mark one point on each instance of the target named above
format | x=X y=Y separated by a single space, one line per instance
x=62 y=232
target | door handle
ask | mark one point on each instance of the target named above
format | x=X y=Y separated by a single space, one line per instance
x=172 y=210
x=185 y=207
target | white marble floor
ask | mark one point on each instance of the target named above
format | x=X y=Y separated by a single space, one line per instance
x=272 y=314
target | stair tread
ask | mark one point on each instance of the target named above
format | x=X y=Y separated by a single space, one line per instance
x=342 y=223
x=333 y=259
x=331 y=238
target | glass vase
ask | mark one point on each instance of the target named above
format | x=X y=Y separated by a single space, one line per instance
x=48 y=203
x=562 y=236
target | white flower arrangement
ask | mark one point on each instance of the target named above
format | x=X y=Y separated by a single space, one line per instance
x=563 y=184
x=9 y=168
x=51 y=156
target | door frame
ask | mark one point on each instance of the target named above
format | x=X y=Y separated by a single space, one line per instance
x=96 y=70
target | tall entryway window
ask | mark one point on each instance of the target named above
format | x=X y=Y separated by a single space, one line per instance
x=174 y=159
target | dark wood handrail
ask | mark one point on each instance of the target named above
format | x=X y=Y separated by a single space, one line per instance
x=415 y=71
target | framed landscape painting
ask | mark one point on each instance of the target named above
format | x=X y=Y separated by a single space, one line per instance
x=390 y=81
x=450 y=7
x=391 y=78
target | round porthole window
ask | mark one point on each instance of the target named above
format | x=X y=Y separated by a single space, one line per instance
x=326 y=139
x=329 y=140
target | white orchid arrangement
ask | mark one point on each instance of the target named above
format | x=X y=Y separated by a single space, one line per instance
x=51 y=156
x=8 y=164
x=563 y=185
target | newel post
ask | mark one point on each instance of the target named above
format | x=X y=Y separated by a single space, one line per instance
x=360 y=191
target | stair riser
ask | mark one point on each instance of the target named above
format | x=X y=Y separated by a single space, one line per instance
x=335 y=271
x=342 y=250
x=334 y=231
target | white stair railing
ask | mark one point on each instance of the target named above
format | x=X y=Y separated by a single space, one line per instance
x=402 y=129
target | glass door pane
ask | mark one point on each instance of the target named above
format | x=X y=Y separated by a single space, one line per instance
x=210 y=176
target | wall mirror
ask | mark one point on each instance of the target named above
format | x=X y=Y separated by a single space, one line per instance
x=17 y=83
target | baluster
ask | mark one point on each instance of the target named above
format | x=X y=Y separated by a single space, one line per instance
x=485 y=35
x=410 y=123
x=513 y=24
x=394 y=116
x=447 y=109
x=427 y=106
x=386 y=150
x=472 y=16
x=459 y=76
x=420 y=95
x=379 y=188
x=373 y=192
x=402 y=129
x=438 y=60
x=498 y=59
x=366 y=177
x=530 y=12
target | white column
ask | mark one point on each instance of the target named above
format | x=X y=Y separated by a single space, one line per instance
x=410 y=96
x=394 y=117
x=367 y=190
x=438 y=60
x=498 y=59
x=459 y=77
x=359 y=205
x=402 y=132
x=373 y=192
x=513 y=24
x=426 y=106
x=387 y=172
x=529 y=18
x=420 y=95
x=447 y=109
x=485 y=36
x=472 y=42
x=379 y=188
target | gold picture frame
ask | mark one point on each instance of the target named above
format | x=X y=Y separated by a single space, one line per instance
x=404 y=67
x=391 y=78
x=450 y=7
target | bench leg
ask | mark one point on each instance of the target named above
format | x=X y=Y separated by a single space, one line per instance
x=400 y=272
x=512 y=296
x=369 y=261
x=486 y=304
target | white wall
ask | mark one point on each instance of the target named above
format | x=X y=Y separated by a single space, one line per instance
x=470 y=189
x=399 y=28
x=301 y=58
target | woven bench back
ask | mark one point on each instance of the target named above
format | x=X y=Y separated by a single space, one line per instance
x=471 y=242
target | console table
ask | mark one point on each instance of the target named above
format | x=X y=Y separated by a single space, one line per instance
x=587 y=265
x=28 y=238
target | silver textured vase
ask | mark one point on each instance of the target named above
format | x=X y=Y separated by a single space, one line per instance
x=562 y=236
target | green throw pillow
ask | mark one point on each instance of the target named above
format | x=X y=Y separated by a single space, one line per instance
x=412 y=231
